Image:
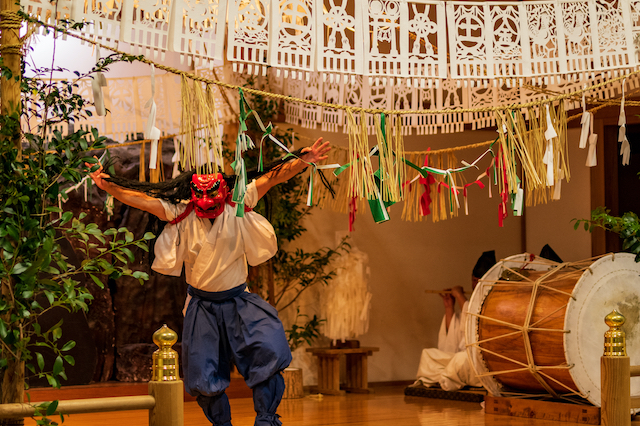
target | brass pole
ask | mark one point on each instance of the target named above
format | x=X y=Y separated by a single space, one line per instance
x=78 y=406
x=165 y=386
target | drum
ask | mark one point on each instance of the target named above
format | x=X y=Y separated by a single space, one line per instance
x=537 y=327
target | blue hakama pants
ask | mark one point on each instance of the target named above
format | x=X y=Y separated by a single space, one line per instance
x=239 y=326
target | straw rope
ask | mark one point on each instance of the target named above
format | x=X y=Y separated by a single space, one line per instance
x=11 y=20
x=346 y=107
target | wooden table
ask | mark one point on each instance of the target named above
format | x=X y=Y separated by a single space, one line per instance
x=329 y=369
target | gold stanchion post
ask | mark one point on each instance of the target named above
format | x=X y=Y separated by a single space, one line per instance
x=165 y=385
x=615 y=375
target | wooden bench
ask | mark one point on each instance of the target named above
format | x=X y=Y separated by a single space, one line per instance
x=329 y=369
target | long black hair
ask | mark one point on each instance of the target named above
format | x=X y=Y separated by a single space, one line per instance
x=179 y=188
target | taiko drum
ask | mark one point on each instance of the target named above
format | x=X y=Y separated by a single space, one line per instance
x=536 y=326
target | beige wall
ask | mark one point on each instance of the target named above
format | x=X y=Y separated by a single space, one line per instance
x=408 y=257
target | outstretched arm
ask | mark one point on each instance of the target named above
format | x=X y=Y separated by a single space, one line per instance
x=136 y=199
x=317 y=152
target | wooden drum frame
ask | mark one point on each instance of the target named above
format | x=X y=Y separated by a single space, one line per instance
x=541 y=331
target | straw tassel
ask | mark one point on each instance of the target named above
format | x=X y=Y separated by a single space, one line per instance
x=361 y=181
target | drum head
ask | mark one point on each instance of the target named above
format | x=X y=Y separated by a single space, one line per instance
x=612 y=282
x=475 y=307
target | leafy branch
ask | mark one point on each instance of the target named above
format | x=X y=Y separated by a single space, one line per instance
x=626 y=226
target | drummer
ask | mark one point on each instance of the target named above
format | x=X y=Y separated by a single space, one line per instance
x=447 y=365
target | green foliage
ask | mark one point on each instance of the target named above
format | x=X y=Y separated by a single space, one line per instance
x=307 y=333
x=35 y=275
x=626 y=226
x=298 y=270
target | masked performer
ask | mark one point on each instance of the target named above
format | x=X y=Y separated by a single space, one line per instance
x=223 y=321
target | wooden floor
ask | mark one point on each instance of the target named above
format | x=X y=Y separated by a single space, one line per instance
x=388 y=406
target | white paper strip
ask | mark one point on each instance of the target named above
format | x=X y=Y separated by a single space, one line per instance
x=145 y=25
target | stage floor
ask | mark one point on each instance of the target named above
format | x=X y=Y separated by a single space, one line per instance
x=387 y=406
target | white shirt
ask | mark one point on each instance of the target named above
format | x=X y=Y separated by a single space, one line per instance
x=452 y=340
x=214 y=255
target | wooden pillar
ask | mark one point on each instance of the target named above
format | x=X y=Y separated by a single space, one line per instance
x=169 y=407
x=615 y=375
x=10 y=50
x=615 y=391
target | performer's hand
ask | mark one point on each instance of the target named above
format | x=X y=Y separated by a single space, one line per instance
x=457 y=292
x=317 y=152
x=447 y=299
x=98 y=176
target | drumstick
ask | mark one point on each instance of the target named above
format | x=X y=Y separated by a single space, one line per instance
x=444 y=292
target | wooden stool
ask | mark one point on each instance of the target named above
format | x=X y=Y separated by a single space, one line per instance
x=329 y=369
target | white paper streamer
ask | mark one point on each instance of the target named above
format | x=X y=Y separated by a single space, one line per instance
x=518 y=203
x=97 y=83
x=549 y=134
x=150 y=130
x=625 y=147
x=587 y=118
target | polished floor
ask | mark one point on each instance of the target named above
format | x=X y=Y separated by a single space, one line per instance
x=388 y=406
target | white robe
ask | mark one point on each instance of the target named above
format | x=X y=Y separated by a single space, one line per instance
x=214 y=255
x=448 y=365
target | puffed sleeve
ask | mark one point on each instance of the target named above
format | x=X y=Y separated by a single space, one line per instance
x=260 y=243
x=251 y=195
x=170 y=250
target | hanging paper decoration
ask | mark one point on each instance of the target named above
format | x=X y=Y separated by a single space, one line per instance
x=145 y=26
x=152 y=132
x=47 y=11
x=332 y=119
x=347 y=302
x=311 y=114
x=625 y=147
x=341 y=52
x=382 y=20
x=248 y=35
x=502 y=40
x=97 y=83
x=104 y=19
x=586 y=124
x=549 y=158
x=197 y=29
x=292 y=36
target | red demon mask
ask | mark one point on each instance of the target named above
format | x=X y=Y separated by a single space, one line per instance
x=209 y=193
